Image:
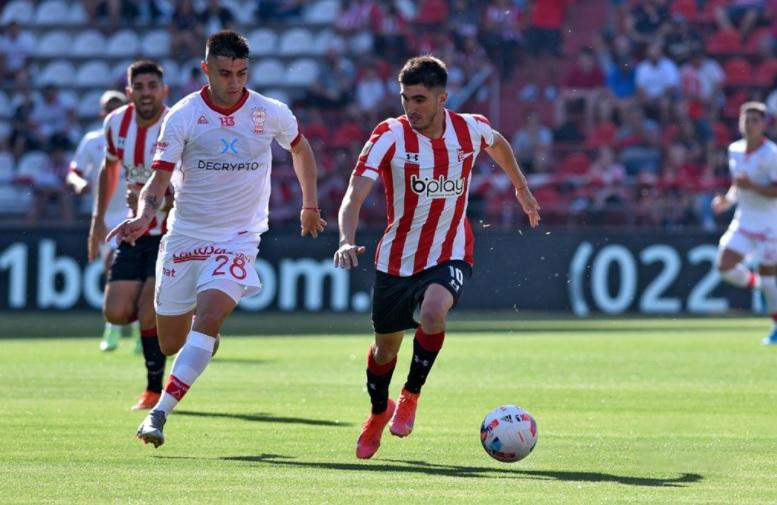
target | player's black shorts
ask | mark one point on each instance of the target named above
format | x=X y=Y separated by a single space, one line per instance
x=135 y=263
x=395 y=299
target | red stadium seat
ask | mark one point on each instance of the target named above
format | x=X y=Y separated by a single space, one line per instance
x=602 y=134
x=738 y=72
x=685 y=8
x=765 y=73
x=756 y=39
x=721 y=134
x=575 y=164
x=724 y=42
x=733 y=103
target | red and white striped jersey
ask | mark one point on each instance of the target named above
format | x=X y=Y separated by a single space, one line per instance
x=134 y=147
x=427 y=187
x=86 y=162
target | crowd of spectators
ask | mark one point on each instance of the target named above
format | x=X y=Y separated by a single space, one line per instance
x=628 y=127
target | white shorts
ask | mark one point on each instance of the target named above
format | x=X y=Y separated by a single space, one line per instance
x=760 y=247
x=187 y=266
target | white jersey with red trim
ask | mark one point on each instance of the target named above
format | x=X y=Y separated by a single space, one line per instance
x=224 y=185
x=87 y=161
x=133 y=147
x=755 y=213
x=427 y=186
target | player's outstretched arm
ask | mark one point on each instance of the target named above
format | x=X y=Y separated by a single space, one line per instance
x=152 y=198
x=107 y=179
x=501 y=152
x=348 y=220
x=721 y=203
x=744 y=182
x=305 y=167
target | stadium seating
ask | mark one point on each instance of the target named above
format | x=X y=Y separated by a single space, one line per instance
x=89 y=105
x=52 y=13
x=56 y=43
x=296 y=41
x=301 y=72
x=268 y=72
x=123 y=43
x=738 y=72
x=5 y=105
x=156 y=44
x=262 y=41
x=88 y=43
x=724 y=42
x=58 y=72
x=322 y=12
x=30 y=165
x=20 y=11
x=93 y=73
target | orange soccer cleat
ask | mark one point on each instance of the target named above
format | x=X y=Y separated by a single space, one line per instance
x=372 y=429
x=404 y=416
x=147 y=400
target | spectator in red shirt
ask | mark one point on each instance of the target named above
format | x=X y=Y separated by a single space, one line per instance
x=584 y=81
x=544 y=38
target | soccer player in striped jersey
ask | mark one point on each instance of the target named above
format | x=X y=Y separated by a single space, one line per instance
x=752 y=161
x=130 y=136
x=82 y=177
x=425 y=160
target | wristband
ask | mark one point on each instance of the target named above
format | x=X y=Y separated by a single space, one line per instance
x=312 y=208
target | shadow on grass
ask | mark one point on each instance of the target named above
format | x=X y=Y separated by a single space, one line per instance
x=262 y=417
x=391 y=465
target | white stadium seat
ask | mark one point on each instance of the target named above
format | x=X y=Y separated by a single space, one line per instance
x=31 y=164
x=262 y=41
x=20 y=11
x=172 y=72
x=322 y=12
x=88 y=43
x=60 y=73
x=362 y=43
x=268 y=72
x=68 y=98
x=6 y=167
x=89 y=104
x=5 y=105
x=301 y=72
x=93 y=74
x=14 y=200
x=55 y=43
x=52 y=12
x=156 y=43
x=77 y=15
x=119 y=72
x=123 y=43
x=296 y=41
x=326 y=40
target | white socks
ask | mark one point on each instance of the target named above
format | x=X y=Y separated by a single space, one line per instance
x=192 y=360
x=741 y=276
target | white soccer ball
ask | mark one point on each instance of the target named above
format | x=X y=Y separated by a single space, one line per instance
x=508 y=433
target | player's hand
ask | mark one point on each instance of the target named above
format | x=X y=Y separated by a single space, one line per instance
x=346 y=256
x=742 y=181
x=529 y=205
x=97 y=233
x=130 y=230
x=720 y=204
x=311 y=222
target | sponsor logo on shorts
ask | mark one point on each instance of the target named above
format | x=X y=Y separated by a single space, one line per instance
x=203 y=253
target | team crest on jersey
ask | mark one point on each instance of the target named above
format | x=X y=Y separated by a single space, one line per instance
x=258 y=117
x=462 y=155
x=159 y=146
x=202 y=120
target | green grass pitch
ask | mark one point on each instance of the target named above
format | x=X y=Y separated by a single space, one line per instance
x=630 y=411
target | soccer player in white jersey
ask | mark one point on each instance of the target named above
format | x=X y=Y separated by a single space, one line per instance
x=752 y=161
x=130 y=136
x=221 y=136
x=425 y=160
x=82 y=177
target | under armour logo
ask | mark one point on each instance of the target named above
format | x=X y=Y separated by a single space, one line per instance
x=423 y=362
x=229 y=146
x=411 y=157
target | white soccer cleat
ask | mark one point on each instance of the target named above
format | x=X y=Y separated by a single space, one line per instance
x=150 y=430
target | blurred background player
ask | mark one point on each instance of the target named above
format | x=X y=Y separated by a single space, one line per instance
x=753 y=230
x=220 y=138
x=82 y=176
x=425 y=159
x=130 y=134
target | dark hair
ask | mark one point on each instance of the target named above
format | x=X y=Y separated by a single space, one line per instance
x=144 y=67
x=227 y=43
x=426 y=70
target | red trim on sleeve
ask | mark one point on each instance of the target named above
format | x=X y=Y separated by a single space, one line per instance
x=361 y=168
x=73 y=167
x=296 y=140
x=162 y=165
x=205 y=94
x=482 y=119
x=109 y=142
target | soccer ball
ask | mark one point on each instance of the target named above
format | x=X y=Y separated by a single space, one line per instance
x=508 y=433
